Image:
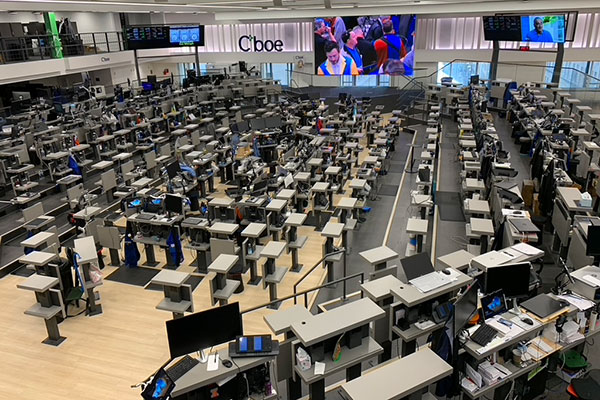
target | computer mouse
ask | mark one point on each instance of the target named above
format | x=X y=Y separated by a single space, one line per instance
x=227 y=363
x=446 y=271
x=528 y=321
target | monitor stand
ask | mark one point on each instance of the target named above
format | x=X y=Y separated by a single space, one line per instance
x=515 y=310
x=203 y=356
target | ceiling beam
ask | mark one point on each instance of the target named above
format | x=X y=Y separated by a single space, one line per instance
x=459 y=7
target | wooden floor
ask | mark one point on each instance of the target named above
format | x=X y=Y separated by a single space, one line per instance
x=105 y=354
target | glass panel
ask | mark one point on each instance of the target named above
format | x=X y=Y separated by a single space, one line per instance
x=384 y=80
x=280 y=73
x=483 y=69
x=366 y=80
x=444 y=71
x=461 y=72
x=347 y=80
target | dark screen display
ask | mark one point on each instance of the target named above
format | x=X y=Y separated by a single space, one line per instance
x=465 y=308
x=204 y=329
x=502 y=27
x=513 y=279
x=156 y=37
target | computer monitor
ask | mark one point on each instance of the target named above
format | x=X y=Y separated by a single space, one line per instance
x=493 y=304
x=416 y=266
x=273 y=122
x=152 y=79
x=204 y=329
x=147 y=86
x=21 y=96
x=513 y=279
x=593 y=241
x=258 y=124
x=259 y=186
x=465 y=308
x=173 y=169
x=150 y=158
x=174 y=204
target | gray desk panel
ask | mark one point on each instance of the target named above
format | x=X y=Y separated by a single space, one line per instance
x=280 y=321
x=411 y=296
x=400 y=377
x=336 y=321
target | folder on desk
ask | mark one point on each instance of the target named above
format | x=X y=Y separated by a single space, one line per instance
x=524 y=225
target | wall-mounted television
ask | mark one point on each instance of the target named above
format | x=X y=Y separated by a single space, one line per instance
x=525 y=28
x=163 y=36
x=369 y=45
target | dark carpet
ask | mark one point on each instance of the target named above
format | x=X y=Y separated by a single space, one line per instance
x=23 y=271
x=450 y=206
x=133 y=276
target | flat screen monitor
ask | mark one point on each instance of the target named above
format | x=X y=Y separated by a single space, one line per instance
x=502 y=27
x=173 y=169
x=464 y=309
x=163 y=36
x=543 y=28
x=185 y=36
x=21 y=96
x=258 y=124
x=147 y=87
x=525 y=28
x=174 y=204
x=593 y=241
x=344 y=45
x=204 y=329
x=243 y=126
x=513 y=279
x=258 y=186
x=417 y=265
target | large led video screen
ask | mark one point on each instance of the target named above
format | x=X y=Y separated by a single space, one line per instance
x=370 y=45
x=543 y=28
x=529 y=28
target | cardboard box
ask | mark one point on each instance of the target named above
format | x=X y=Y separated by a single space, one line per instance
x=527 y=191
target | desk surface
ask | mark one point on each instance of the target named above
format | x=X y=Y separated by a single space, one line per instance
x=378 y=289
x=38 y=283
x=254 y=230
x=347 y=203
x=37 y=239
x=411 y=296
x=320 y=187
x=199 y=377
x=378 y=255
x=295 y=219
x=281 y=321
x=223 y=228
x=458 y=260
x=276 y=205
x=400 y=377
x=39 y=258
x=332 y=229
x=221 y=202
x=167 y=277
x=341 y=319
x=285 y=194
x=223 y=263
x=273 y=249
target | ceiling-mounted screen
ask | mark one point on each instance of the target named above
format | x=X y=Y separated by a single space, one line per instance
x=156 y=37
x=528 y=28
x=543 y=28
x=369 y=45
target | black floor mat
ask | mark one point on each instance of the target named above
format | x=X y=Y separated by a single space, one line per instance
x=311 y=220
x=192 y=280
x=388 y=190
x=450 y=206
x=23 y=271
x=133 y=276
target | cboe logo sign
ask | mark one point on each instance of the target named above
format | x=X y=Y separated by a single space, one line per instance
x=251 y=43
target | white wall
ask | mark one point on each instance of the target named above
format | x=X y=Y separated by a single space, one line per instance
x=93 y=22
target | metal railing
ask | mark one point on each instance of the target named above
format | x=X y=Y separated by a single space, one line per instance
x=43 y=47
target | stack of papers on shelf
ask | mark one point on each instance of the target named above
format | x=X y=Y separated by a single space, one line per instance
x=579 y=302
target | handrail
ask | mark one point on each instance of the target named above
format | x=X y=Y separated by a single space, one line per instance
x=307 y=291
x=311 y=269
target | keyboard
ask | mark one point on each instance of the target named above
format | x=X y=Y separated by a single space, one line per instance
x=484 y=334
x=181 y=367
x=429 y=282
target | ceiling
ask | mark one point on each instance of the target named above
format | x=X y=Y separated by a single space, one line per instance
x=286 y=9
